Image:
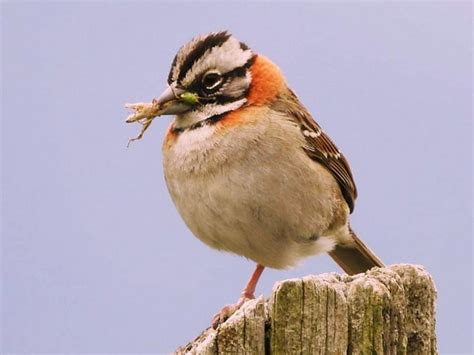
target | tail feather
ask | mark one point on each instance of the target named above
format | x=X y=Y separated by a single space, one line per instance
x=355 y=258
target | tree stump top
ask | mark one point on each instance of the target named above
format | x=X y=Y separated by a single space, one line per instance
x=384 y=311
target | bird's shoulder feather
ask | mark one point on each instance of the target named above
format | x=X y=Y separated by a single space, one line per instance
x=319 y=147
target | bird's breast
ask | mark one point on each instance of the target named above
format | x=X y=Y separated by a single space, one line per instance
x=242 y=190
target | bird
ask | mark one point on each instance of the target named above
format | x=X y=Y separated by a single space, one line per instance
x=249 y=169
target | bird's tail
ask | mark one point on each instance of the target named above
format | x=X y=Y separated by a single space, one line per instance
x=355 y=258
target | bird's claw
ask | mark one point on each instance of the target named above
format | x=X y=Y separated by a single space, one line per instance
x=227 y=311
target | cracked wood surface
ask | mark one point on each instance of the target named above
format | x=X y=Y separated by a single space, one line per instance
x=384 y=311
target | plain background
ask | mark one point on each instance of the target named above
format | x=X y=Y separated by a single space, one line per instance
x=95 y=257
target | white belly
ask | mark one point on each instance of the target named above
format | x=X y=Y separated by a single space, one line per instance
x=261 y=198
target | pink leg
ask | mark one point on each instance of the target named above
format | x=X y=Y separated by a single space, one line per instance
x=247 y=293
x=249 y=289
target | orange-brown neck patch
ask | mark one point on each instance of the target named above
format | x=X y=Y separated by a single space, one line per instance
x=267 y=81
x=170 y=136
x=244 y=115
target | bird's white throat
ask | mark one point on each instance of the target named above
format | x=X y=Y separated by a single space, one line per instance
x=204 y=112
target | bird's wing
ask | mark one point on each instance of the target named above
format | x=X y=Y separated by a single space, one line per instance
x=320 y=148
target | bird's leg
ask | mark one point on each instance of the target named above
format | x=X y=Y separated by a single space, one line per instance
x=249 y=289
x=247 y=294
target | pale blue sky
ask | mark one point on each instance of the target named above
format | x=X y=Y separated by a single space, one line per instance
x=94 y=256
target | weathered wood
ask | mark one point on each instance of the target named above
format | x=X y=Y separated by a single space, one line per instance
x=421 y=316
x=243 y=333
x=384 y=311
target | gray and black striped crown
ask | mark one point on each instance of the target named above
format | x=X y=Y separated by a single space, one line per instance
x=219 y=50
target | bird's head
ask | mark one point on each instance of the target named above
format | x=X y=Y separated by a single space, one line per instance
x=215 y=74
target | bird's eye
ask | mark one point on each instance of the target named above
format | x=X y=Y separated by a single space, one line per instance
x=211 y=81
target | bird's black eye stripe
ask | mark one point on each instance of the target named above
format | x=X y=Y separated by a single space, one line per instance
x=240 y=71
x=222 y=99
x=236 y=72
x=213 y=40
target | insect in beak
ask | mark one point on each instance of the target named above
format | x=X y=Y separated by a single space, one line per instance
x=173 y=101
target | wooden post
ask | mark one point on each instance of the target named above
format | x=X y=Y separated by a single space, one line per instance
x=384 y=311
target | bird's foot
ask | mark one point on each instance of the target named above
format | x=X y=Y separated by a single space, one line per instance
x=229 y=310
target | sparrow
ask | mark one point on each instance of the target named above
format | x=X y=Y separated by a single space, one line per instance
x=249 y=169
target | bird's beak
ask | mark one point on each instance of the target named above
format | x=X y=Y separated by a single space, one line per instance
x=173 y=101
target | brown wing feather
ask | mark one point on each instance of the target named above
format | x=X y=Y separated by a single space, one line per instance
x=321 y=149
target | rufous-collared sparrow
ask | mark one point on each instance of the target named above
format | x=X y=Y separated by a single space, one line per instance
x=249 y=169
